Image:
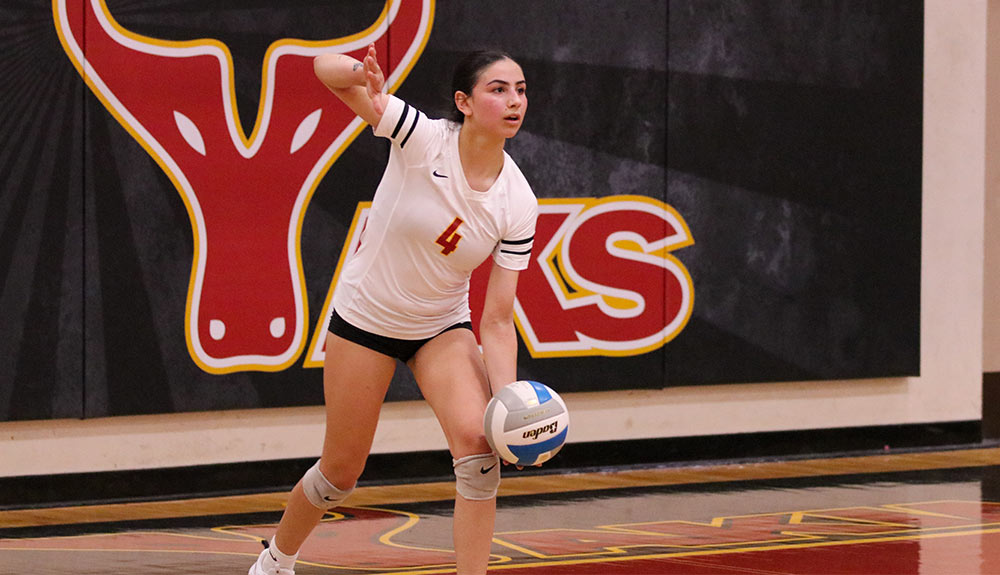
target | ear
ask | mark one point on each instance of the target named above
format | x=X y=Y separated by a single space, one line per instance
x=462 y=103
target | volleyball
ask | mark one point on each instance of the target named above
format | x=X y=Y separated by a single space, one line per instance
x=526 y=423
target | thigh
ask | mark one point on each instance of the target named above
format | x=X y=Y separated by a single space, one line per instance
x=355 y=380
x=452 y=377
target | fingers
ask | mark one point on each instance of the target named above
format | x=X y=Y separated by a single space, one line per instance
x=374 y=78
x=374 y=81
x=519 y=467
x=371 y=62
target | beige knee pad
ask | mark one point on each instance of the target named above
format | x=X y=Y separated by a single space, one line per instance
x=320 y=492
x=477 y=477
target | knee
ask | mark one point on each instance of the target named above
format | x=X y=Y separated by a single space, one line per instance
x=343 y=473
x=477 y=477
x=321 y=491
x=342 y=462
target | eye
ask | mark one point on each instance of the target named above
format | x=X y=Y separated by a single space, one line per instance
x=522 y=90
x=190 y=132
x=305 y=130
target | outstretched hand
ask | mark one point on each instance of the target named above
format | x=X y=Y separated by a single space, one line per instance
x=375 y=80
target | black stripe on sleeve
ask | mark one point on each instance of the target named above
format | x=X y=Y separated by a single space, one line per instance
x=517 y=242
x=515 y=253
x=402 y=118
x=408 y=134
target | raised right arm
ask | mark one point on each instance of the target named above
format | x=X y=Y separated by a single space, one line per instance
x=359 y=85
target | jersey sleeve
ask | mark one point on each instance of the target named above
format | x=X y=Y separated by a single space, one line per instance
x=513 y=251
x=409 y=129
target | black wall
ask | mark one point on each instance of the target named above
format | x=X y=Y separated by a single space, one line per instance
x=786 y=135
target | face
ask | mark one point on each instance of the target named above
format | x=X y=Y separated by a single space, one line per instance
x=499 y=99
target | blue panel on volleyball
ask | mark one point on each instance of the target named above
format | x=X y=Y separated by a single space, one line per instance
x=528 y=453
x=541 y=391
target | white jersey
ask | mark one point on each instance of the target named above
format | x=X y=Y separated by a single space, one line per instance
x=427 y=231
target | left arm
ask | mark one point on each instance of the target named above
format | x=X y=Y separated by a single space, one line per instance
x=358 y=84
x=496 y=328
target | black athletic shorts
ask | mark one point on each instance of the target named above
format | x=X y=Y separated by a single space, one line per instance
x=401 y=349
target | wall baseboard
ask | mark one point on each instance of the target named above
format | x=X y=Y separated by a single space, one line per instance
x=412 y=467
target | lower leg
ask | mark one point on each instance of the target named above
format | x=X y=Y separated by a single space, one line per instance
x=473 y=534
x=311 y=497
x=306 y=506
x=297 y=522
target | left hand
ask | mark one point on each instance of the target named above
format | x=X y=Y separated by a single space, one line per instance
x=375 y=80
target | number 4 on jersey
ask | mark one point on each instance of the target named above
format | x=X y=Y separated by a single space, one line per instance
x=448 y=240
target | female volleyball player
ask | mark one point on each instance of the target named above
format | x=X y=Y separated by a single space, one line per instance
x=450 y=197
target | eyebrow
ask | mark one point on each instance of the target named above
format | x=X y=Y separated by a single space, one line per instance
x=504 y=82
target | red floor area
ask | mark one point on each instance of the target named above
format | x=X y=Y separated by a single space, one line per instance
x=965 y=554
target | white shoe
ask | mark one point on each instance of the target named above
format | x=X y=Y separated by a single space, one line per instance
x=267 y=565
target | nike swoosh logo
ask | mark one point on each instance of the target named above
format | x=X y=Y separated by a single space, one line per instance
x=437 y=175
x=328 y=498
x=485 y=470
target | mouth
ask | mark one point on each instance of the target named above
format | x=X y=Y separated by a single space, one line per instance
x=512 y=118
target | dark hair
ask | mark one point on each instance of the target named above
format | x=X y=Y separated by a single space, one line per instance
x=467 y=73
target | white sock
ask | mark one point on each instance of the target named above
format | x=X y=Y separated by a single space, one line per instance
x=284 y=561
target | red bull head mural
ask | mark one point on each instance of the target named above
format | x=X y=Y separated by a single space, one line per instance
x=246 y=196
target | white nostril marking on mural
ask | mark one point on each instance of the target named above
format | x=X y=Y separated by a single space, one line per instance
x=277 y=327
x=190 y=132
x=216 y=329
x=305 y=130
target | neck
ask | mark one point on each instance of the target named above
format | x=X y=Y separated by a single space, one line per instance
x=481 y=155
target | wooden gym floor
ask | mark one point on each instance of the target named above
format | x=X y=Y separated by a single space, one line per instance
x=921 y=512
